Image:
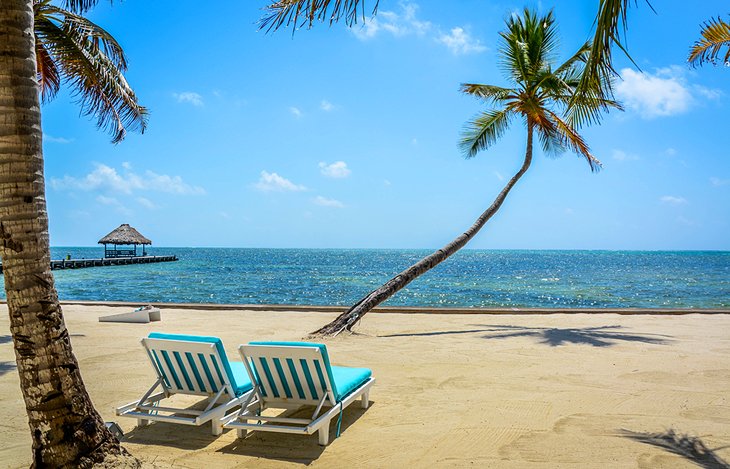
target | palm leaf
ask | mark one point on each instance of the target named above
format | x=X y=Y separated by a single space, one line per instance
x=489 y=93
x=573 y=140
x=305 y=12
x=715 y=35
x=97 y=80
x=49 y=77
x=483 y=131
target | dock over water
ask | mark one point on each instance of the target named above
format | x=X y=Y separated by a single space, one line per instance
x=106 y=261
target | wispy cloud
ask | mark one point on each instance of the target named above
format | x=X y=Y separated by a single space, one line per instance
x=189 y=97
x=295 y=111
x=108 y=179
x=673 y=200
x=336 y=170
x=620 y=155
x=499 y=175
x=325 y=202
x=326 y=106
x=717 y=182
x=666 y=92
x=51 y=139
x=405 y=22
x=460 y=42
x=147 y=203
x=272 y=182
x=114 y=203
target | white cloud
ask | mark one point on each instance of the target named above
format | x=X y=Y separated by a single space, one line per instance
x=51 y=139
x=387 y=183
x=189 y=97
x=127 y=165
x=670 y=151
x=147 y=203
x=414 y=141
x=272 y=182
x=325 y=202
x=673 y=200
x=664 y=93
x=326 y=106
x=398 y=24
x=405 y=22
x=717 y=182
x=499 y=175
x=569 y=211
x=106 y=178
x=620 y=155
x=296 y=112
x=461 y=42
x=337 y=170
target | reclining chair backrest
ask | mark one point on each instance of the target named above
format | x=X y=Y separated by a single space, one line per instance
x=290 y=372
x=190 y=364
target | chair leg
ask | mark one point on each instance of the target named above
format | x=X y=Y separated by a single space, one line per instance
x=324 y=434
x=365 y=402
x=142 y=422
x=241 y=433
x=217 y=427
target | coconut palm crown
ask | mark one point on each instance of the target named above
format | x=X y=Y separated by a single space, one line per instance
x=545 y=98
x=72 y=49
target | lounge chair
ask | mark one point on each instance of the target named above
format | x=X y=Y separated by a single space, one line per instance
x=289 y=375
x=193 y=365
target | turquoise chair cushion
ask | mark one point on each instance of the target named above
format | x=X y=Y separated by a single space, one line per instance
x=236 y=371
x=343 y=379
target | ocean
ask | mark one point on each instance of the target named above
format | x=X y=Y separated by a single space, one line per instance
x=470 y=278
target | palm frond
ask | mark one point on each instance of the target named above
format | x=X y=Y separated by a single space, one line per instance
x=49 y=78
x=489 y=93
x=573 y=140
x=483 y=131
x=97 y=81
x=282 y=13
x=715 y=35
x=80 y=6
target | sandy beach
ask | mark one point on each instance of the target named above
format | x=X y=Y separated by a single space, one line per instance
x=512 y=391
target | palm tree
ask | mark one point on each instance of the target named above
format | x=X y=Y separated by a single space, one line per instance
x=715 y=35
x=543 y=97
x=610 y=23
x=66 y=430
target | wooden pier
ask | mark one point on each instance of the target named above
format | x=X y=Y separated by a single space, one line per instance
x=81 y=263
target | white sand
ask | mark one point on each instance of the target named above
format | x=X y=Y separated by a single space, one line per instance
x=452 y=390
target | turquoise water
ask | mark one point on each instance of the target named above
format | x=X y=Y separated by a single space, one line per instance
x=471 y=278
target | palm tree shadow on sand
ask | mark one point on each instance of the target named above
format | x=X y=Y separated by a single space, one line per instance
x=600 y=336
x=689 y=447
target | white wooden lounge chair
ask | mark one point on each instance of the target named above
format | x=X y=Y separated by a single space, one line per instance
x=193 y=365
x=289 y=375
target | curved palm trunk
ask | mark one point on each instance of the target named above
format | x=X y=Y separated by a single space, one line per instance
x=348 y=319
x=66 y=429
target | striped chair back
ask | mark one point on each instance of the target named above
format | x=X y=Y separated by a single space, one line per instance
x=289 y=374
x=188 y=367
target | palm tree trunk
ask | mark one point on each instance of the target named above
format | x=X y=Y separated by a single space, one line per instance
x=349 y=318
x=66 y=429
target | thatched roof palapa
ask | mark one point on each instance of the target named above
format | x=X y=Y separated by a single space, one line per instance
x=125 y=234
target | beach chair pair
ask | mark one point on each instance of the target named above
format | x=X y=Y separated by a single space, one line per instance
x=272 y=375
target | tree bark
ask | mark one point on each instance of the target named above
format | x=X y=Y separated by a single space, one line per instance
x=349 y=318
x=66 y=429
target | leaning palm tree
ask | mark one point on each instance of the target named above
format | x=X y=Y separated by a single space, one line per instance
x=65 y=428
x=543 y=97
x=715 y=36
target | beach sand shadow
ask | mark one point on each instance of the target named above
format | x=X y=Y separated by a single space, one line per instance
x=298 y=449
x=689 y=447
x=7 y=367
x=185 y=437
x=601 y=336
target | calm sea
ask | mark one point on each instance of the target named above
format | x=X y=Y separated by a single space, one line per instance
x=471 y=278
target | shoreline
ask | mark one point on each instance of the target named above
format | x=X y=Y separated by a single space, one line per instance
x=405 y=309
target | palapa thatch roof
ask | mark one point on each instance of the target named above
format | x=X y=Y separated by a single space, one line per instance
x=125 y=234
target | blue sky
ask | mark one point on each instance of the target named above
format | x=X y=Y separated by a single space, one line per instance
x=347 y=138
